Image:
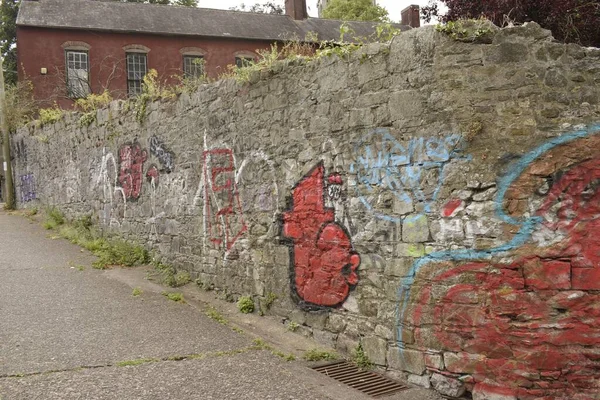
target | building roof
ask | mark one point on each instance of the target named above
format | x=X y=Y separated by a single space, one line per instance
x=116 y=16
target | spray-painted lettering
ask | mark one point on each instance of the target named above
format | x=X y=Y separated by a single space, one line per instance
x=222 y=208
x=27 y=188
x=131 y=158
x=165 y=157
x=323 y=259
x=407 y=169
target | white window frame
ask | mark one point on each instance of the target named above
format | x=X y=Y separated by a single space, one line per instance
x=77 y=66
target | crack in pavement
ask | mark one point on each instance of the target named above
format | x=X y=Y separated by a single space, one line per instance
x=141 y=361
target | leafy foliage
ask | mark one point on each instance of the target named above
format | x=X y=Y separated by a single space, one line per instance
x=189 y=3
x=50 y=115
x=8 y=38
x=20 y=105
x=576 y=21
x=245 y=304
x=319 y=355
x=355 y=10
x=266 y=8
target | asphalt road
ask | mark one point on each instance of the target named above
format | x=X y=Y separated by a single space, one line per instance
x=68 y=331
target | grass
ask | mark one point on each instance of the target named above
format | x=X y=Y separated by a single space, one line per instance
x=319 y=355
x=170 y=276
x=214 y=314
x=136 y=292
x=138 y=361
x=110 y=251
x=174 y=296
x=54 y=218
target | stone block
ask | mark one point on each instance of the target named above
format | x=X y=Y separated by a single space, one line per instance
x=542 y=275
x=406 y=104
x=463 y=363
x=398 y=266
x=447 y=386
x=316 y=319
x=375 y=348
x=325 y=338
x=409 y=360
x=415 y=229
x=484 y=391
x=419 y=380
x=586 y=278
x=434 y=361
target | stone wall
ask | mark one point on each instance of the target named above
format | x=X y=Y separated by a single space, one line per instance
x=432 y=199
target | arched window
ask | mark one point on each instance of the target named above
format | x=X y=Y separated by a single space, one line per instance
x=193 y=62
x=244 y=58
x=137 y=66
x=77 y=68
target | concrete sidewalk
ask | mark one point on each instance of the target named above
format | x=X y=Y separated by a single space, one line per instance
x=68 y=331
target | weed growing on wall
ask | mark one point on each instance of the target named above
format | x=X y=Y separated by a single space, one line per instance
x=90 y=106
x=170 y=276
x=360 y=358
x=468 y=30
x=245 y=304
x=50 y=115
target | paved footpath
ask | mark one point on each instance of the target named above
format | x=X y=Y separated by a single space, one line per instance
x=68 y=331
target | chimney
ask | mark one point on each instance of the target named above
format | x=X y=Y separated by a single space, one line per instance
x=296 y=9
x=411 y=17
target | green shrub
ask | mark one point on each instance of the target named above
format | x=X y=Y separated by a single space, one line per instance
x=245 y=304
x=54 y=218
x=50 y=115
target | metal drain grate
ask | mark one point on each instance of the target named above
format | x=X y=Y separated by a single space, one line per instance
x=367 y=382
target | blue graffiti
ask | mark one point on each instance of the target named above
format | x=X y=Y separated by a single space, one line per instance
x=27 y=188
x=384 y=162
x=527 y=225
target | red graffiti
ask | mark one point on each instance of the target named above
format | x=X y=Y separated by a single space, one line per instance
x=223 y=211
x=452 y=207
x=131 y=158
x=324 y=262
x=152 y=175
x=528 y=326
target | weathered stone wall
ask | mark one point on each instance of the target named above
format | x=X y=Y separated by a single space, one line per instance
x=435 y=200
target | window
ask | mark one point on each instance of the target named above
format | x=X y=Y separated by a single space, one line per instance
x=243 y=61
x=136 y=70
x=193 y=66
x=77 y=73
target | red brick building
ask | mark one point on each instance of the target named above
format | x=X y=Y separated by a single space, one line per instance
x=69 y=48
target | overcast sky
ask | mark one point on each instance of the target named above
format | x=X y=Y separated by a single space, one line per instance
x=393 y=6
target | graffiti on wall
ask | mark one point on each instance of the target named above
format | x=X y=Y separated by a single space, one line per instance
x=224 y=222
x=114 y=200
x=164 y=156
x=228 y=188
x=509 y=312
x=131 y=165
x=413 y=171
x=324 y=263
x=27 y=188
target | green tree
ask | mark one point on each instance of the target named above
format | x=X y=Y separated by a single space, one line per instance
x=267 y=8
x=8 y=38
x=575 y=21
x=355 y=10
x=189 y=3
